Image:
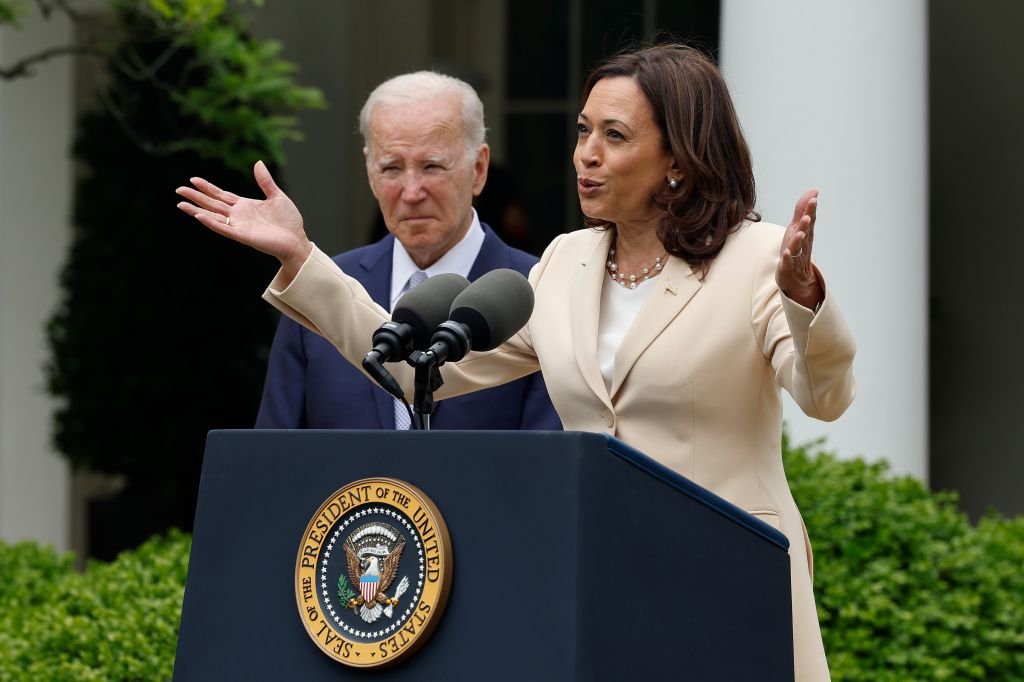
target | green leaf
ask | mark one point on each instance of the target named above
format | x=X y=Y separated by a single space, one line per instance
x=11 y=11
x=906 y=588
x=114 y=621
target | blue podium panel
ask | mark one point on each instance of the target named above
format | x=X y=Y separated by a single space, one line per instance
x=673 y=575
x=575 y=558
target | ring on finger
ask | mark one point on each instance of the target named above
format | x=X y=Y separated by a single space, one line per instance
x=227 y=221
x=800 y=252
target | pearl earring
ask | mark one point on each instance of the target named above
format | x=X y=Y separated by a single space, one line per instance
x=673 y=183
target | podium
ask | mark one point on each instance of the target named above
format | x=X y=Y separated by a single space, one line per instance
x=575 y=557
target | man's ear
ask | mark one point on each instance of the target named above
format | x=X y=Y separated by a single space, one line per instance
x=483 y=161
x=369 y=173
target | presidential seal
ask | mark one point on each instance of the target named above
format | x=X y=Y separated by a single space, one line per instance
x=373 y=572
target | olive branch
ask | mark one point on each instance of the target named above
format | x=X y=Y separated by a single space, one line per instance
x=345 y=591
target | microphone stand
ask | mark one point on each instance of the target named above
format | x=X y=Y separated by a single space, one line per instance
x=426 y=381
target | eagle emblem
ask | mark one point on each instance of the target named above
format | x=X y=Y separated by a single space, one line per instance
x=374 y=552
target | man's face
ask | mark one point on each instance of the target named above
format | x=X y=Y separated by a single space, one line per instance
x=422 y=177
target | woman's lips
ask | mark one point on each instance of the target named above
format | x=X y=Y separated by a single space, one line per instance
x=588 y=187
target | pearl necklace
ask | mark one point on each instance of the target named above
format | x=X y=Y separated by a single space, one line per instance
x=631 y=281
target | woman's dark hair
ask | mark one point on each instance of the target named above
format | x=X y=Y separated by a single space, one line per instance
x=698 y=124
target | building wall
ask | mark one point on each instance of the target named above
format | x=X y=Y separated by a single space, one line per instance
x=834 y=96
x=35 y=202
x=977 y=317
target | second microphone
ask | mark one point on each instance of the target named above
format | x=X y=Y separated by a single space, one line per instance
x=482 y=317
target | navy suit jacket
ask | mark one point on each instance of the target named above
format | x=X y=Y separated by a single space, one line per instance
x=310 y=385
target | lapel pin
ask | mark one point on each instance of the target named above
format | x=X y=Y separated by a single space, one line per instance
x=671 y=288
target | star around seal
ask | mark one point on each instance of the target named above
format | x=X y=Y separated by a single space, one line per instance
x=373 y=572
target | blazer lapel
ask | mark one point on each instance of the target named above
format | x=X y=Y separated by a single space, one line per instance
x=493 y=254
x=375 y=271
x=375 y=276
x=585 y=306
x=672 y=290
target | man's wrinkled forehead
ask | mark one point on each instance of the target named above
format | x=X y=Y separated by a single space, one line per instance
x=431 y=129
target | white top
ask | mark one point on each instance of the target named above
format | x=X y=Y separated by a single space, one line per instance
x=619 y=307
x=459 y=260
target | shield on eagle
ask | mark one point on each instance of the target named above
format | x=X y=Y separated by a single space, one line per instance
x=368 y=587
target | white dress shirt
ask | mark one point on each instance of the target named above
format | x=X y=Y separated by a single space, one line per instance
x=459 y=260
x=619 y=307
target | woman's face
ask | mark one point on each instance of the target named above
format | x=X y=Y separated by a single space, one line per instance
x=620 y=158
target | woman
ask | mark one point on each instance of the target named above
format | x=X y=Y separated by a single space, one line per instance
x=671 y=325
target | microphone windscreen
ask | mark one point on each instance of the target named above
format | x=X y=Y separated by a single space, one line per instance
x=494 y=307
x=427 y=306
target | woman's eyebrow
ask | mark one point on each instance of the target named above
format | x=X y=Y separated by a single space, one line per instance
x=608 y=121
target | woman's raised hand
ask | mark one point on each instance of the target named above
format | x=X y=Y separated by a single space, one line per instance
x=272 y=225
x=795 y=275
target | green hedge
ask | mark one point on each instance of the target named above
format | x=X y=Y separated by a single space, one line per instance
x=907 y=589
x=114 y=621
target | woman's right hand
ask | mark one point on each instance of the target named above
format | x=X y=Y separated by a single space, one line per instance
x=272 y=225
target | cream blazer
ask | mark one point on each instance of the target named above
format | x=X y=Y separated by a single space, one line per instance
x=697 y=378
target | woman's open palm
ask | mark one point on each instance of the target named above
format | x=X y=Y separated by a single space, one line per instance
x=272 y=225
x=795 y=275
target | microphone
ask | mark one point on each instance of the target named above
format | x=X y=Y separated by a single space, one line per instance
x=482 y=317
x=416 y=313
x=415 y=316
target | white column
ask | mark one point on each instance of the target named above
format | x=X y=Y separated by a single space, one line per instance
x=833 y=94
x=36 y=118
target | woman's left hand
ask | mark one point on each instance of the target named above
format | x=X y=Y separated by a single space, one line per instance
x=795 y=275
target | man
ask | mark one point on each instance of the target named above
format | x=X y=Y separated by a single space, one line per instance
x=426 y=159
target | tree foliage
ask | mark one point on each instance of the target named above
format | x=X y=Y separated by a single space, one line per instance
x=240 y=101
x=11 y=11
x=161 y=335
x=233 y=99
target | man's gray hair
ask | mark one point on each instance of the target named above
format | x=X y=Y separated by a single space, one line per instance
x=415 y=87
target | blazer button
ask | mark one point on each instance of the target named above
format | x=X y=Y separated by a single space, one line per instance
x=608 y=418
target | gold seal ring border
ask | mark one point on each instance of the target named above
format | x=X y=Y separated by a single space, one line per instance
x=439 y=594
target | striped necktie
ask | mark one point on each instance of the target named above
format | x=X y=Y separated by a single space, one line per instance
x=402 y=422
